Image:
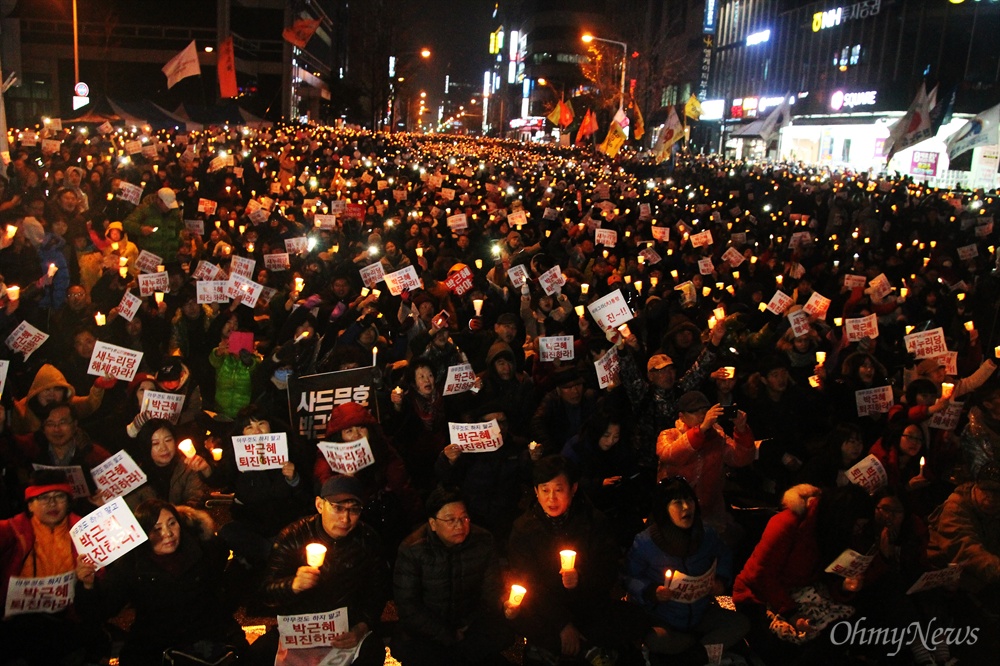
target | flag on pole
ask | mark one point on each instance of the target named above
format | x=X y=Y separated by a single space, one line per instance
x=913 y=127
x=669 y=135
x=4 y=142
x=226 y=66
x=182 y=65
x=692 y=108
x=983 y=130
x=640 y=125
x=614 y=141
x=562 y=114
x=620 y=118
x=942 y=110
x=778 y=118
x=587 y=126
x=555 y=114
x=299 y=33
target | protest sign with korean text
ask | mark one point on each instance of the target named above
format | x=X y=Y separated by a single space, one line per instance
x=458 y=222
x=277 y=261
x=517 y=219
x=347 y=457
x=817 y=305
x=879 y=287
x=247 y=290
x=150 y=283
x=876 y=400
x=869 y=474
x=607 y=368
x=854 y=281
x=605 y=237
x=475 y=437
x=242 y=266
x=661 y=234
x=860 y=328
x=552 y=280
x=460 y=282
x=117 y=476
x=705 y=266
x=556 y=348
x=701 y=239
x=311 y=398
x=257 y=452
x=312 y=630
x=610 y=311
x=107 y=533
x=799 y=321
x=947 y=577
x=206 y=270
x=405 y=279
x=297 y=245
x=147 y=262
x=4 y=369
x=926 y=344
x=651 y=256
x=129 y=306
x=460 y=378
x=211 y=291
x=26 y=339
x=161 y=405
x=130 y=193
x=733 y=257
x=46 y=594
x=947 y=419
x=372 y=274
x=850 y=564
x=207 y=206
x=118 y=362
x=518 y=275
x=689 y=589
x=779 y=302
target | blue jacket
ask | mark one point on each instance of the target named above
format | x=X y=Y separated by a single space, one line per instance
x=647 y=563
x=52 y=251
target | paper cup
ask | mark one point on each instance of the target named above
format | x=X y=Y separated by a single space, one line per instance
x=730 y=371
x=187 y=448
x=516 y=595
x=13 y=293
x=315 y=554
x=947 y=389
x=567 y=560
x=216 y=454
x=821 y=357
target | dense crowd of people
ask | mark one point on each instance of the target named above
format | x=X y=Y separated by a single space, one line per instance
x=738 y=410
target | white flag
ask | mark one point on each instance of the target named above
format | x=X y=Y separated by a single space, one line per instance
x=182 y=65
x=669 y=135
x=913 y=127
x=778 y=118
x=983 y=130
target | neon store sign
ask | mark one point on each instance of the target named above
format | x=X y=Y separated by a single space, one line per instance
x=841 y=100
x=831 y=18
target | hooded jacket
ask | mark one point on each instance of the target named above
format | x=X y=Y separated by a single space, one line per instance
x=165 y=241
x=126 y=248
x=964 y=535
x=17 y=540
x=25 y=421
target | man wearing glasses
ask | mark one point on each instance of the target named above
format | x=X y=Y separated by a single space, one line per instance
x=448 y=590
x=353 y=575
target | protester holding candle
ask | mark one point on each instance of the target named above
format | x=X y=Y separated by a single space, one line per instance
x=234 y=366
x=448 y=590
x=677 y=540
x=174 y=582
x=175 y=478
x=568 y=612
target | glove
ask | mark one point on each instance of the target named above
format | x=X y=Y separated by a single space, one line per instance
x=106 y=383
x=405 y=296
x=135 y=426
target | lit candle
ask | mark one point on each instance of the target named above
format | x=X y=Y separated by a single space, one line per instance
x=300 y=284
x=420 y=251
x=730 y=371
x=123 y=272
x=908 y=329
x=625 y=331
x=479 y=263
x=628 y=279
x=960 y=296
x=579 y=313
x=187 y=448
x=52 y=269
x=638 y=286
x=11 y=231
x=947 y=388
x=970 y=326
x=736 y=275
x=922 y=463
x=712 y=322
x=376 y=293
x=668 y=577
x=122 y=261
x=821 y=357
x=216 y=454
x=604 y=254
x=720 y=313
x=674 y=274
x=903 y=291
x=315 y=554
x=641 y=259
x=100 y=319
x=705 y=291
x=160 y=268
x=779 y=279
x=852 y=584
x=516 y=595
x=158 y=296
x=567 y=560
x=13 y=293
x=996 y=351
x=477 y=303
x=837 y=321
x=584 y=288
x=374 y=356
x=762 y=306
x=814 y=381
x=653 y=281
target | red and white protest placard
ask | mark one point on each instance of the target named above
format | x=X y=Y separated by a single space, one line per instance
x=869 y=474
x=550 y=214
x=701 y=239
x=347 y=457
x=854 y=281
x=402 y=280
x=556 y=348
x=448 y=194
x=517 y=219
x=610 y=311
x=26 y=339
x=258 y=452
x=458 y=222
x=880 y=287
x=460 y=378
x=207 y=206
x=705 y=266
x=133 y=147
x=313 y=630
x=518 y=275
x=689 y=589
x=475 y=437
x=277 y=261
x=372 y=274
x=926 y=344
x=984 y=227
x=552 y=280
x=860 y=328
x=147 y=262
x=460 y=282
x=211 y=291
x=119 y=362
x=733 y=257
x=607 y=368
x=817 y=305
x=117 y=476
x=130 y=193
x=779 y=302
x=435 y=180
x=950 y=363
x=947 y=577
x=876 y=400
x=107 y=533
x=661 y=234
x=651 y=256
x=327 y=222
x=150 y=283
x=195 y=226
x=799 y=321
x=947 y=419
x=967 y=252
x=48 y=594
x=850 y=564
x=248 y=290
x=161 y=405
x=605 y=237
x=799 y=239
x=242 y=266
x=644 y=211
x=206 y=270
x=74 y=475
x=297 y=245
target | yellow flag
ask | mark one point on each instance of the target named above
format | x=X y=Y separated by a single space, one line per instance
x=554 y=116
x=614 y=141
x=692 y=109
x=640 y=126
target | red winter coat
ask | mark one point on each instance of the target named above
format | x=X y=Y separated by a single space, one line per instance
x=17 y=539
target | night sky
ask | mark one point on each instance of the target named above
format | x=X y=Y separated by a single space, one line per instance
x=457 y=31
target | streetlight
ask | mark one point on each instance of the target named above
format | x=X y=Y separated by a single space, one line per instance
x=424 y=53
x=587 y=38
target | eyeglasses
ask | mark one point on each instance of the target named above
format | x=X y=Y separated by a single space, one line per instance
x=339 y=509
x=52 y=498
x=454 y=522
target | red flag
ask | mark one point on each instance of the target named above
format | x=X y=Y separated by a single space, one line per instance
x=226 y=66
x=300 y=32
x=587 y=127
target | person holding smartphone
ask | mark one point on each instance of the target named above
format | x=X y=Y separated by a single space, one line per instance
x=699 y=449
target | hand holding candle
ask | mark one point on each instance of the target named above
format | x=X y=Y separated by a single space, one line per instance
x=567 y=564
x=947 y=388
x=517 y=593
x=477 y=303
x=187 y=448
x=315 y=554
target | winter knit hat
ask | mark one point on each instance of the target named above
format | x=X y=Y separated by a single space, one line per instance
x=348 y=415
